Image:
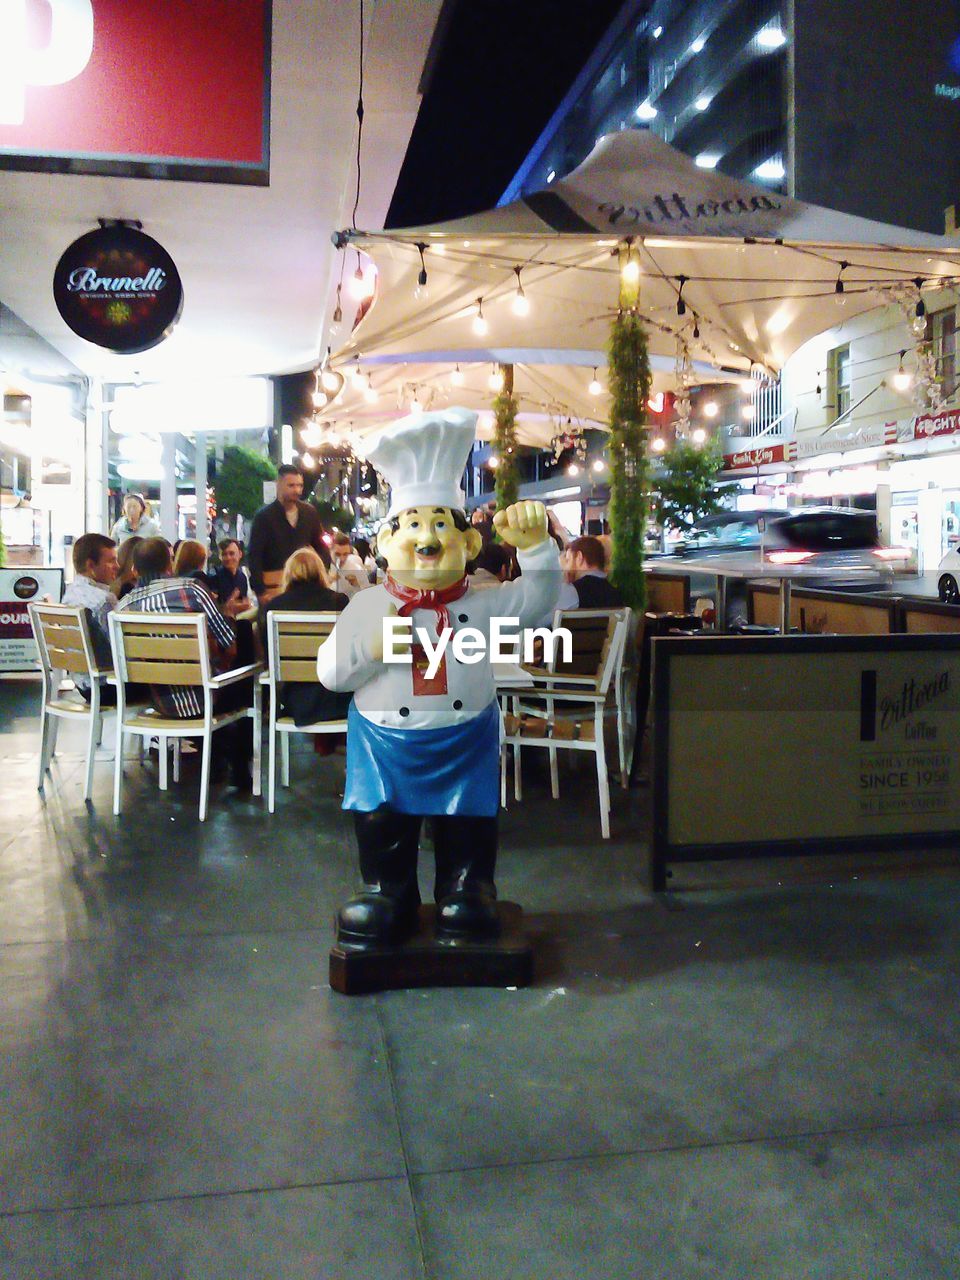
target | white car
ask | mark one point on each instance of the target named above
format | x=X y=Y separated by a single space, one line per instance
x=949 y=582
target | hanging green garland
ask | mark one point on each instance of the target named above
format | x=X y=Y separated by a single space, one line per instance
x=505 y=442
x=629 y=374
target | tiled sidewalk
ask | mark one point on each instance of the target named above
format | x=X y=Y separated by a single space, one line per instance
x=752 y=1079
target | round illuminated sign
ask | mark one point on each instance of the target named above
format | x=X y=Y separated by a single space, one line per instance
x=118 y=288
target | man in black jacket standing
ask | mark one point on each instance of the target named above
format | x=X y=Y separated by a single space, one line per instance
x=279 y=529
x=586 y=585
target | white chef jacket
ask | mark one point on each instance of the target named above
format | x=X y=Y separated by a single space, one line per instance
x=383 y=692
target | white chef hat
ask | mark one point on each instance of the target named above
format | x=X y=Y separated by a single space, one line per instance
x=422 y=457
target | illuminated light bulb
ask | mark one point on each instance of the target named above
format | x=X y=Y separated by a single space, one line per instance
x=416 y=406
x=631 y=271
x=495 y=380
x=699 y=436
x=711 y=409
x=480 y=326
x=749 y=412
x=329 y=380
x=595 y=388
x=703 y=103
x=356 y=375
x=319 y=399
x=658 y=444
x=493 y=462
x=573 y=469
x=371 y=394
x=599 y=465
x=646 y=111
x=456 y=377
x=362 y=283
x=308 y=461
x=903 y=378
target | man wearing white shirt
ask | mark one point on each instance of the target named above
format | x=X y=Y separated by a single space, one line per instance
x=94 y=567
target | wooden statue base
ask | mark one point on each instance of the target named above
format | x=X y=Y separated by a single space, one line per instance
x=422 y=961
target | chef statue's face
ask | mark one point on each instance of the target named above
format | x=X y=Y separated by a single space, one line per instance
x=425 y=548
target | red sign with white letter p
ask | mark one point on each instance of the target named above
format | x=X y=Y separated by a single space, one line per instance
x=145 y=88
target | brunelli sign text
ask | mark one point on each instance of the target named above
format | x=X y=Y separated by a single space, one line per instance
x=137 y=88
x=119 y=289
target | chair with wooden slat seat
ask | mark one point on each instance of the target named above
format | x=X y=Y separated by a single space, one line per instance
x=63 y=639
x=293 y=640
x=583 y=687
x=591 y=631
x=170 y=650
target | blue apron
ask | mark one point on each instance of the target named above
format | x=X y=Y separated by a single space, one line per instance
x=453 y=770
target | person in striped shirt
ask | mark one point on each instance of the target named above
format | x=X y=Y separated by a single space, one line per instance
x=158 y=591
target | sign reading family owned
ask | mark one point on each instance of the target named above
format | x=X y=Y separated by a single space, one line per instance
x=807 y=743
x=137 y=88
x=118 y=288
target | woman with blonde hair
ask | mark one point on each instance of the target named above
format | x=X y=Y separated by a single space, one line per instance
x=305 y=588
x=190 y=560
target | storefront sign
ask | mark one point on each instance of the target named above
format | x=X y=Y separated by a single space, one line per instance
x=813 y=743
x=936 y=424
x=746 y=459
x=118 y=288
x=18 y=588
x=136 y=88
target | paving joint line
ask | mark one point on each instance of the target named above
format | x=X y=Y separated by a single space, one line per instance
x=949 y=1122
x=180 y=1197
x=408 y=1174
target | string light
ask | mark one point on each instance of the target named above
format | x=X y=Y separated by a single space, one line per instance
x=495 y=380
x=838 y=287
x=338 y=310
x=630 y=272
x=595 y=388
x=521 y=303
x=681 y=305
x=902 y=378
x=361 y=282
x=493 y=462
x=699 y=436
x=749 y=412
x=371 y=394
x=415 y=405
x=480 y=325
x=456 y=377
x=421 y=290
x=658 y=444
x=599 y=465
x=329 y=380
x=308 y=461
x=356 y=374
x=711 y=409
x=573 y=469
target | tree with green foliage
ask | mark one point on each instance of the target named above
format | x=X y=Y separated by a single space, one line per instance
x=505 y=408
x=240 y=477
x=332 y=515
x=686 y=490
x=629 y=374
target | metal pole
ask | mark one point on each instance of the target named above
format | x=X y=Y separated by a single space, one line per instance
x=200 y=475
x=168 y=487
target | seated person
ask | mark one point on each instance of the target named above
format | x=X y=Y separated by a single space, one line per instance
x=230 y=581
x=95 y=568
x=349 y=573
x=305 y=588
x=158 y=591
x=126 y=578
x=491 y=566
x=585 y=581
x=363 y=549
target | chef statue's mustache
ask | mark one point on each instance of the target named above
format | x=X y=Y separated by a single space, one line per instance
x=429 y=549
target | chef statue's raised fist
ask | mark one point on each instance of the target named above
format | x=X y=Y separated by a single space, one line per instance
x=524 y=525
x=423 y=735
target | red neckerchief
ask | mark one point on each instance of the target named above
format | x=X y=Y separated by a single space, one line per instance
x=411 y=599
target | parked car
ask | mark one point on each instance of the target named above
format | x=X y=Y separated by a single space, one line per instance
x=949 y=581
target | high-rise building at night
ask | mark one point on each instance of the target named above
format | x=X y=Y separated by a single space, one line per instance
x=852 y=104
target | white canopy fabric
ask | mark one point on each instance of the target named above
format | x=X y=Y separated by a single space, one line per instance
x=735 y=274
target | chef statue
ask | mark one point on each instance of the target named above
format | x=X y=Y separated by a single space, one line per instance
x=423 y=739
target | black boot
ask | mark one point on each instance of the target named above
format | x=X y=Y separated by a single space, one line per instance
x=385 y=910
x=466 y=897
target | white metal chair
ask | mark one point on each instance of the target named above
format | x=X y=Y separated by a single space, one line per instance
x=169 y=649
x=293 y=640
x=583 y=686
x=63 y=639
